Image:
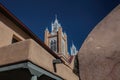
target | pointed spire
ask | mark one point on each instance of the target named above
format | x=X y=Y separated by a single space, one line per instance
x=73 y=49
x=55 y=25
x=56 y=20
x=73 y=45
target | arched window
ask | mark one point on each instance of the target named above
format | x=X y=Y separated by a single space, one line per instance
x=53 y=45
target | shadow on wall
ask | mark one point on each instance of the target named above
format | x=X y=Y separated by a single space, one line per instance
x=76 y=66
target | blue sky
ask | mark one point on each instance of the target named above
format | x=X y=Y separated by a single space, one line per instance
x=77 y=17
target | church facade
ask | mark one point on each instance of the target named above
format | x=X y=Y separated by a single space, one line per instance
x=23 y=56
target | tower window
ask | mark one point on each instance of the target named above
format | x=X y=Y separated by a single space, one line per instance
x=53 y=45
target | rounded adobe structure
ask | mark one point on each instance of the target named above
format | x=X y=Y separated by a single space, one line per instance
x=99 y=56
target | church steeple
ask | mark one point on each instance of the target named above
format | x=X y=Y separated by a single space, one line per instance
x=73 y=50
x=55 y=25
x=56 y=40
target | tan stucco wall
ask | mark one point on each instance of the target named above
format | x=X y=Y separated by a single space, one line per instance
x=30 y=50
x=99 y=56
x=8 y=29
x=14 y=53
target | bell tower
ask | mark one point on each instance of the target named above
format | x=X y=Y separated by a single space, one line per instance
x=56 y=39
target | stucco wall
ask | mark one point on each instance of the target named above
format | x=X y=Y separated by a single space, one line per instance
x=8 y=29
x=30 y=50
x=99 y=56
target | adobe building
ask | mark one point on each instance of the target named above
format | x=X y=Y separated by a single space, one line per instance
x=23 y=56
x=99 y=56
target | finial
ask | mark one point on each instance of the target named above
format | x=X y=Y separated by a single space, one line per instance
x=55 y=16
